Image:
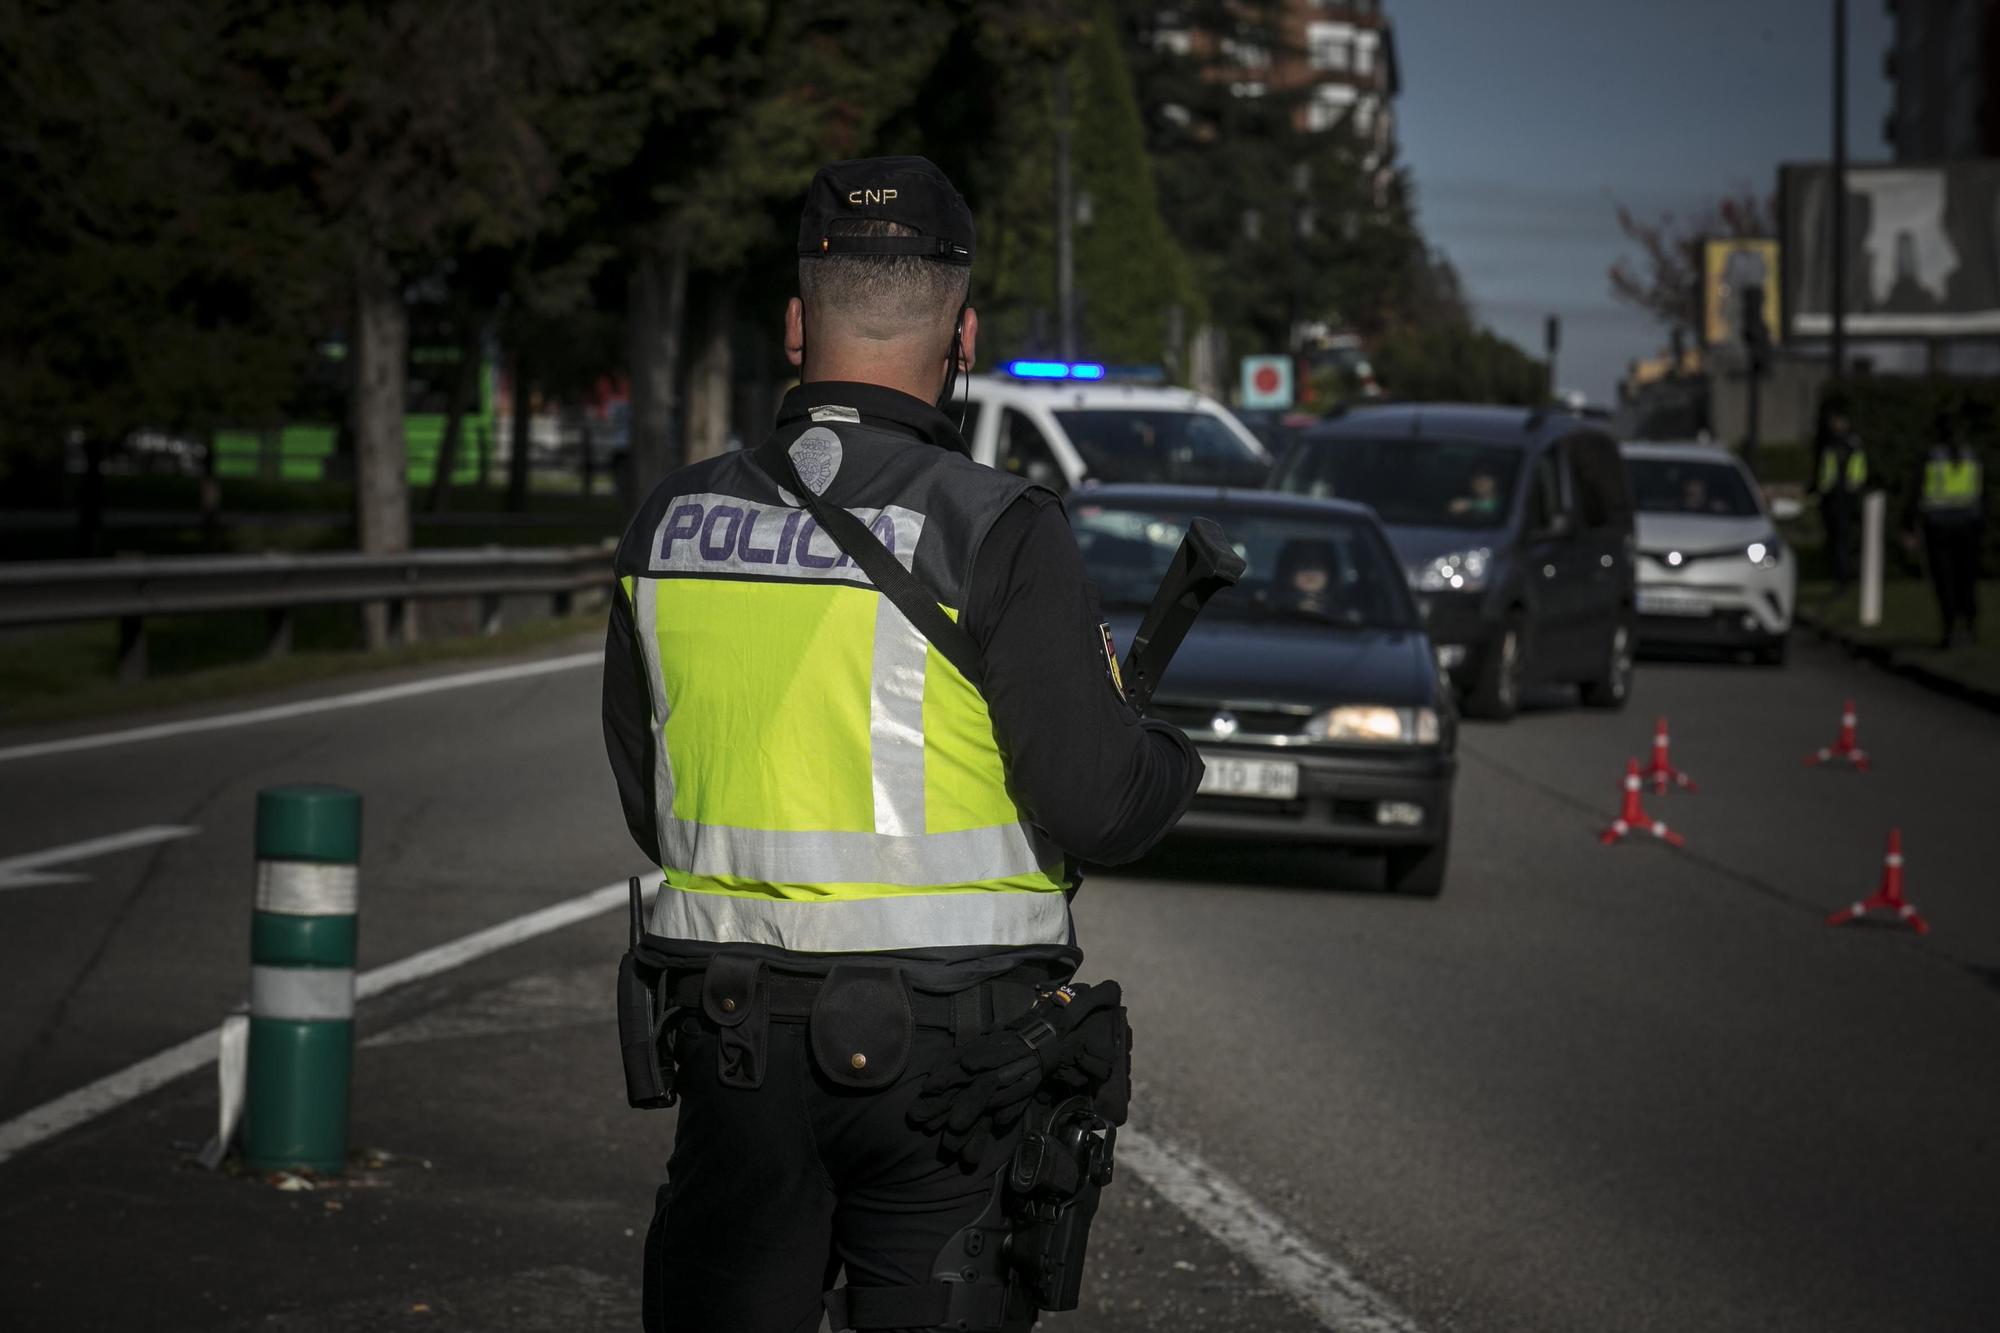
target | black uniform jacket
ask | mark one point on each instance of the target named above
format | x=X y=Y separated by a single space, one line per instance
x=1103 y=783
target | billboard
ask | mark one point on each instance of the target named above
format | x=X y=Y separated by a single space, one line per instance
x=1923 y=249
x=1728 y=265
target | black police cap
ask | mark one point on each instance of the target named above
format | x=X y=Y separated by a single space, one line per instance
x=906 y=190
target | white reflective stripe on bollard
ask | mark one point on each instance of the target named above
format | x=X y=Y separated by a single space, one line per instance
x=302 y=994
x=308 y=888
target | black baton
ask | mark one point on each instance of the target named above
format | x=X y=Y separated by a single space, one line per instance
x=1204 y=565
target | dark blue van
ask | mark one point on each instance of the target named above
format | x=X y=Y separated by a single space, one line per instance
x=1515 y=529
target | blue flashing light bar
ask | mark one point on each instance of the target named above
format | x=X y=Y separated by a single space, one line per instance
x=1055 y=370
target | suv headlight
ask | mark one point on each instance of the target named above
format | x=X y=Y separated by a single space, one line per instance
x=1766 y=552
x=1375 y=724
x=1460 y=571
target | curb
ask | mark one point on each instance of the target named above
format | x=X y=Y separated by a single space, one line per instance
x=1877 y=655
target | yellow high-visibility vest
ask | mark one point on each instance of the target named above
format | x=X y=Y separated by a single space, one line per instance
x=1951 y=483
x=1830 y=470
x=825 y=780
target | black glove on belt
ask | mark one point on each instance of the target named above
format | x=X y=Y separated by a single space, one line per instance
x=1075 y=1038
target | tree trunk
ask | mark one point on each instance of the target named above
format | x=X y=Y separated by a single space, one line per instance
x=462 y=389
x=656 y=314
x=211 y=496
x=381 y=467
x=520 y=417
x=711 y=380
x=90 y=499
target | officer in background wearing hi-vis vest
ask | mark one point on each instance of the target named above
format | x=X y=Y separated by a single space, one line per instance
x=1948 y=500
x=1840 y=477
x=867 y=854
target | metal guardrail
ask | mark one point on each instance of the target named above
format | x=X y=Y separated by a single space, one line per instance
x=51 y=592
x=119 y=520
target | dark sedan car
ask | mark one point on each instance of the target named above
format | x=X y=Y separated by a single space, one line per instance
x=1311 y=688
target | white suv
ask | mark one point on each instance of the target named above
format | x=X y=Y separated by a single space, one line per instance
x=1064 y=432
x=1712 y=567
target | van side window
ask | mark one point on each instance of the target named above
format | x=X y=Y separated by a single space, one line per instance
x=1545 y=500
x=1600 y=482
x=1025 y=453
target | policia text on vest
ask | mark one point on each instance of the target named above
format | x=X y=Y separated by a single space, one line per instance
x=867 y=853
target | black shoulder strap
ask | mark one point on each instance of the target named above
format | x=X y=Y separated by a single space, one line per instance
x=917 y=603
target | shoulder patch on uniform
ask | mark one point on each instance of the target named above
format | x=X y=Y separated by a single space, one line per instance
x=816 y=454
x=836 y=413
x=1111 y=658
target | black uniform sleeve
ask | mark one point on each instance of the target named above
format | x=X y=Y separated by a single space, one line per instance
x=628 y=724
x=1102 y=782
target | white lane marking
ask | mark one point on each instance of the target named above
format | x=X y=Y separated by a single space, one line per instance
x=302 y=708
x=21 y=872
x=1328 y=1289
x=114 y=1090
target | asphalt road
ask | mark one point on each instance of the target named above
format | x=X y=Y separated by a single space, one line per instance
x=1588 y=1088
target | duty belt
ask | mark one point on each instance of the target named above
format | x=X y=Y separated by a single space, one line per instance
x=964 y=1014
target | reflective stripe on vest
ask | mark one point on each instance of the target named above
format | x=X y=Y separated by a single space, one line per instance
x=1951 y=483
x=1829 y=470
x=824 y=781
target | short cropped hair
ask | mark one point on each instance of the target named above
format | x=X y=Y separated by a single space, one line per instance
x=883 y=298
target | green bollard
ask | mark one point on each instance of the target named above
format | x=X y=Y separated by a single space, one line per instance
x=302 y=935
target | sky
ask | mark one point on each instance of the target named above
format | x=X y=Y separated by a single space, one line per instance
x=1524 y=123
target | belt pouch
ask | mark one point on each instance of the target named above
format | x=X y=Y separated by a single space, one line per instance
x=861 y=1025
x=648 y=1083
x=736 y=999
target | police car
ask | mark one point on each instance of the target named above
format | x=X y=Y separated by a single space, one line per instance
x=1066 y=423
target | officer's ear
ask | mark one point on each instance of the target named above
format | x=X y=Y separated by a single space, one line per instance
x=795 y=331
x=968 y=339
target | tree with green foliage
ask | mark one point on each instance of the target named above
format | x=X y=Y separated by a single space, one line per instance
x=724 y=111
x=1457 y=362
x=405 y=132
x=149 y=282
x=1286 y=224
x=988 y=117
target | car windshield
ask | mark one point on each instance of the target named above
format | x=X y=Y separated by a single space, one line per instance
x=1330 y=570
x=1162 y=445
x=1411 y=483
x=1690 y=486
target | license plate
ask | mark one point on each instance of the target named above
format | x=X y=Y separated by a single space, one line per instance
x=1264 y=778
x=1671 y=602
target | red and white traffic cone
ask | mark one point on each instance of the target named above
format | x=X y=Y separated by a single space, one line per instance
x=1889 y=896
x=1846 y=750
x=1633 y=817
x=1661 y=771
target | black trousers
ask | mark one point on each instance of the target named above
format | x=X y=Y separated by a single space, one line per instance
x=1838 y=511
x=1951 y=550
x=771 y=1192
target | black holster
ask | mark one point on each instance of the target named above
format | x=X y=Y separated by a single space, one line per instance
x=1062 y=1165
x=1025 y=1253
x=642 y=1015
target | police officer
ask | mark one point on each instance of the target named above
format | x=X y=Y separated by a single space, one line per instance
x=1840 y=475
x=1949 y=495
x=867 y=854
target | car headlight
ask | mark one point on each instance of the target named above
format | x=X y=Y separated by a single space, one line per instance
x=1765 y=552
x=1460 y=571
x=1375 y=724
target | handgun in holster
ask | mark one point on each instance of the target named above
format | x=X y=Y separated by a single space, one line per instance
x=642 y=1016
x=1063 y=1162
